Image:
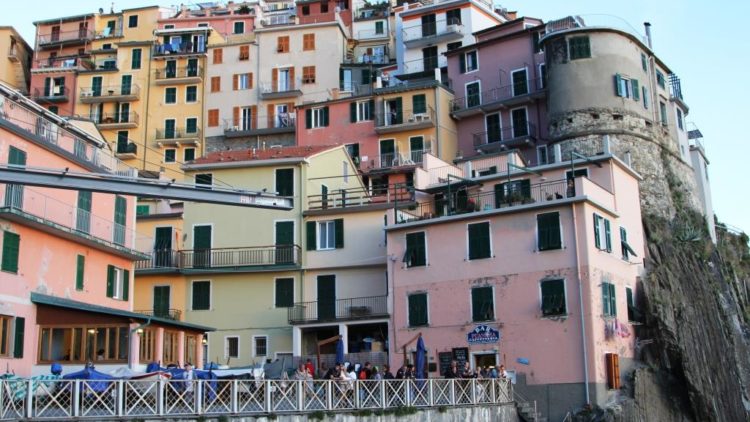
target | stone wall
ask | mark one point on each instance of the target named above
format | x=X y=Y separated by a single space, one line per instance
x=220 y=143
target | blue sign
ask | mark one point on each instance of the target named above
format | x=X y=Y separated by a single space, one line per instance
x=522 y=361
x=483 y=334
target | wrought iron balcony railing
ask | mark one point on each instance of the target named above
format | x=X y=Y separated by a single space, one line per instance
x=222 y=258
x=338 y=310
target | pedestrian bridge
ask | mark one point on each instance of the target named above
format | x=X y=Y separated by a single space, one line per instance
x=99 y=399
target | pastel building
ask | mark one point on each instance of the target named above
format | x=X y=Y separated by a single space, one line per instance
x=526 y=267
x=15 y=69
x=67 y=256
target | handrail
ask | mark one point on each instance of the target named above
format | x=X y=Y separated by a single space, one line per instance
x=498 y=94
x=222 y=257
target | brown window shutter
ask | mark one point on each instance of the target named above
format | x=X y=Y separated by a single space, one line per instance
x=218 y=55
x=274 y=79
x=616 y=370
x=291 y=78
x=270 y=115
x=254 y=117
x=250 y=80
x=236 y=116
x=235 y=81
x=215 y=83
x=213 y=117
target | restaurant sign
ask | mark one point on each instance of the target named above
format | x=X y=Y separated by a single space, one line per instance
x=483 y=334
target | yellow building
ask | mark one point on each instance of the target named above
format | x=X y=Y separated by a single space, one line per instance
x=15 y=70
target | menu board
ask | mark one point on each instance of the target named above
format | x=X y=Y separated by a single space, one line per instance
x=445 y=359
x=461 y=355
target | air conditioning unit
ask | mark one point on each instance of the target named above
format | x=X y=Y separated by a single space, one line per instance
x=87 y=93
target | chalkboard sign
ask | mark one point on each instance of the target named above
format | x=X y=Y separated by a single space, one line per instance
x=445 y=359
x=461 y=355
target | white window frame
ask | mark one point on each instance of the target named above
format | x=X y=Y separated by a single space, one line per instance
x=492 y=246
x=186 y=94
x=345 y=170
x=210 y=293
x=426 y=252
x=602 y=233
x=513 y=85
x=539 y=149
x=275 y=280
x=471 y=305
x=536 y=231
x=175 y=95
x=175 y=155
x=467 y=54
x=542 y=83
x=226 y=347
x=234 y=26
x=317 y=118
x=569 y=174
x=329 y=240
x=626 y=87
x=363 y=111
x=118 y=283
x=427 y=304
x=680 y=119
x=500 y=126
x=255 y=346
x=565 y=292
x=197 y=123
x=466 y=92
x=243 y=81
x=512 y=126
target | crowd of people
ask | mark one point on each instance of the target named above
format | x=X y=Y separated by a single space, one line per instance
x=482 y=372
x=350 y=372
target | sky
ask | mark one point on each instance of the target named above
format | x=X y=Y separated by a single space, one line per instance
x=710 y=58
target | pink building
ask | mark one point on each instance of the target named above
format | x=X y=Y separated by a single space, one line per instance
x=66 y=260
x=499 y=83
x=535 y=268
x=234 y=19
x=317 y=11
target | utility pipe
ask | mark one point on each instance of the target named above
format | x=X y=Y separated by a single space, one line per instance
x=580 y=302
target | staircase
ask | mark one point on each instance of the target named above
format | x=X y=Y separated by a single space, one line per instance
x=528 y=413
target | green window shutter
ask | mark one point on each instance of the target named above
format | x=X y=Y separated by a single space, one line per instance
x=607 y=236
x=415 y=250
x=308 y=118
x=553 y=298
x=636 y=90
x=325 y=116
x=11 y=243
x=399 y=110
x=18 y=336
x=618 y=85
x=623 y=242
x=419 y=103
x=526 y=188
x=310 y=232
x=126 y=285
x=479 y=240
x=371 y=116
x=644 y=62
x=645 y=97
x=80 y=265
x=353 y=112
x=462 y=63
x=499 y=194
x=548 y=231
x=612 y=300
x=418 y=310
x=338 y=225
x=110 y=280
x=597 y=235
x=284 y=293
x=366 y=78
x=47 y=86
x=605 y=298
x=341 y=79
x=482 y=304
x=201 y=295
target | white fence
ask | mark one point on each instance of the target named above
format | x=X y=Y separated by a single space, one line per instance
x=69 y=399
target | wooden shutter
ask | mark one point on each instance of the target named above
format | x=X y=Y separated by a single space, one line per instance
x=110 y=280
x=11 y=243
x=213 y=117
x=308 y=118
x=215 y=83
x=548 y=231
x=250 y=80
x=613 y=370
x=462 y=63
x=338 y=225
x=235 y=82
x=311 y=236
x=254 y=116
x=618 y=85
x=353 y=112
x=607 y=235
x=18 y=337
x=597 y=234
x=218 y=55
x=125 y=285
x=325 y=116
x=292 y=83
x=274 y=79
x=499 y=194
x=636 y=90
x=270 y=115
x=235 y=116
x=80 y=265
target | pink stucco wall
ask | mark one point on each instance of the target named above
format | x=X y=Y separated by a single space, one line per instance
x=340 y=130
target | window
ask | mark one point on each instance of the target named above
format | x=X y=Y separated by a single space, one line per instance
x=419 y=103
x=118 y=283
x=133 y=21
x=579 y=47
x=244 y=52
x=609 y=301
x=191 y=125
x=325 y=235
x=148 y=345
x=416 y=250
x=213 y=117
x=5 y=328
x=511 y=192
x=379 y=28
x=645 y=97
x=627 y=88
x=218 y=56
x=482 y=304
x=520 y=82
x=308 y=74
x=316 y=117
x=679 y=119
x=542 y=76
x=360 y=111
x=188 y=155
x=479 y=241
x=170 y=96
x=472 y=63
x=191 y=94
x=242 y=81
x=644 y=62
x=660 y=80
x=80 y=265
x=282 y=44
x=473 y=94
x=553 y=298
x=169 y=346
x=305 y=10
x=285 y=182
x=260 y=346
x=11 y=244
x=548 y=231
x=201 y=295
x=169 y=155
x=169 y=26
x=572 y=174
x=135 y=58
x=418 y=310
x=53 y=109
x=663 y=113
x=284 y=293
x=81 y=343
x=613 y=370
x=204 y=180
x=454 y=45
x=239 y=28
x=602 y=236
x=215 y=83
x=231 y=347
x=453 y=17
x=627 y=251
x=142 y=210
x=308 y=42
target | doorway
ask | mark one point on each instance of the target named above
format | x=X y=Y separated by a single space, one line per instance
x=161 y=301
x=284 y=242
x=482 y=360
x=326 y=297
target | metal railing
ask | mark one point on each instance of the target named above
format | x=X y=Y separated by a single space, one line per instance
x=485 y=201
x=257 y=122
x=425 y=64
x=126 y=148
x=59 y=92
x=281 y=86
x=498 y=95
x=222 y=257
x=178 y=133
x=364 y=34
x=79 y=35
x=506 y=134
x=33 y=204
x=376 y=11
x=432 y=29
x=192 y=399
x=339 y=309
x=109 y=63
x=593 y=21
x=179 y=72
x=116 y=118
x=286 y=19
x=78 y=63
x=173 y=314
x=355 y=197
x=110 y=91
x=179 y=48
x=404 y=117
x=109 y=33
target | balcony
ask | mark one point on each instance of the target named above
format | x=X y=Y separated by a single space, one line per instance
x=425 y=64
x=288 y=88
x=377 y=11
x=279 y=20
x=359 y=197
x=371 y=34
x=66 y=38
x=277 y=7
x=126 y=149
x=425 y=34
x=62 y=63
x=512 y=196
x=173 y=314
x=55 y=94
x=179 y=75
x=110 y=94
x=499 y=98
x=357 y=308
x=126 y=120
x=108 y=32
x=397 y=120
x=178 y=48
x=32 y=208
x=107 y=64
x=178 y=136
x=15 y=54
x=253 y=258
x=260 y=125
x=505 y=138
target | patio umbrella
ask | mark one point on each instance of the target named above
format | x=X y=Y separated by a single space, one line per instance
x=421 y=354
x=340 y=351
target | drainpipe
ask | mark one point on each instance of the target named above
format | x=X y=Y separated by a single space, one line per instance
x=130 y=337
x=580 y=301
x=437 y=127
x=148 y=87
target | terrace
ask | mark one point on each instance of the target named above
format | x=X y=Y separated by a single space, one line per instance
x=244 y=259
x=519 y=93
x=339 y=310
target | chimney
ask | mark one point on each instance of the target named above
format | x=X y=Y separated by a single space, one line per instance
x=511 y=15
x=647 y=25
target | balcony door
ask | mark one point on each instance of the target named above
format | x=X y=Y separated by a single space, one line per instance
x=520 y=122
x=416 y=147
x=246 y=118
x=429 y=26
x=163 y=247
x=55 y=36
x=127 y=84
x=284 y=242
x=14 y=193
x=394 y=113
x=201 y=246
x=494 y=131
x=282 y=115
x=284 y=83
x=387 y=152
x=169 y=129
x=326 y=297
x=123 y=111
x=430 y=58
x=83 y=213
x=171 y=68
x=161 y=301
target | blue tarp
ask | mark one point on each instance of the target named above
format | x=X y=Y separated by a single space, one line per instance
x=98 y=381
